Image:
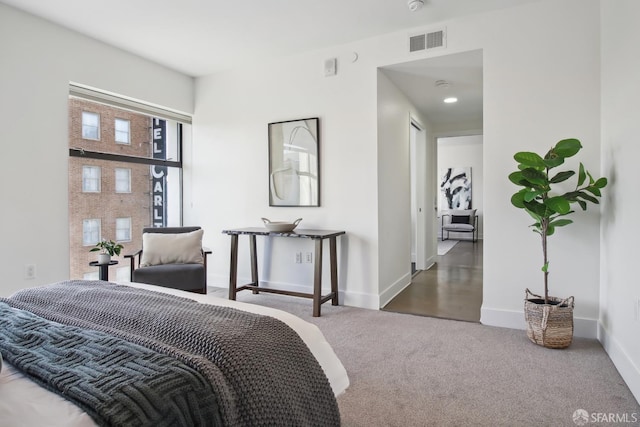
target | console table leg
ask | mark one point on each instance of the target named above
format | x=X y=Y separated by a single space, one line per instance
x=254 y=262
x=333 y=261
x=317 y=278
x=233 y=268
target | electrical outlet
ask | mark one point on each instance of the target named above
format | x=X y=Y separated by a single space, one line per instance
x=298 y=257
x=308 y=257
x=30 y=271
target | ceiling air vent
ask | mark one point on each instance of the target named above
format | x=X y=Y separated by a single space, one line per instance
x=435 y=39
x=417 y=43
x=426 y=41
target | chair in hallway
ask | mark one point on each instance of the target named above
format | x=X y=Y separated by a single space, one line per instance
x=172 y=257
x=459 y=221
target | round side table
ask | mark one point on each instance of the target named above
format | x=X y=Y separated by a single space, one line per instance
x=104 y=269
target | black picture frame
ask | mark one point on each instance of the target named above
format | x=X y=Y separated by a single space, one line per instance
x=294 y=163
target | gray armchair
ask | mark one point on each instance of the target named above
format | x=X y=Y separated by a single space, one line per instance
x=460 y=221
x=172 y=257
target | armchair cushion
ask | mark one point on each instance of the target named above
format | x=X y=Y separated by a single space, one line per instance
x=188 y=277
x=172 y=248
x=460 y=219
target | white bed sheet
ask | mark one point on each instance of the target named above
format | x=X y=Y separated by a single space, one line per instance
x=24 y=403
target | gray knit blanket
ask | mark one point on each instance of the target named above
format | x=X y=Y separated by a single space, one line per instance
x=261 y=371
x=115 y=382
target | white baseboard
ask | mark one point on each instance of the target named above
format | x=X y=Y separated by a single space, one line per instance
x=585 y=328
x=629 y=371
x=393 y=290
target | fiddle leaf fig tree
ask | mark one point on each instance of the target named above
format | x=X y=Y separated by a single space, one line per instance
x=539 y=196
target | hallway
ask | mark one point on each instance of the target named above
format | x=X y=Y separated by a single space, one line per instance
x=451 y=289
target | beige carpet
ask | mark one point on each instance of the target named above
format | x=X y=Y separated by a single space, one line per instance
x=418 y=371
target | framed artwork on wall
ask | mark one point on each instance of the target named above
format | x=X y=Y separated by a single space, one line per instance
x=294 y=163
x=455 y=188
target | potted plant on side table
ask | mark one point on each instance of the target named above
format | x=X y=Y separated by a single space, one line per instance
x=108 y=249
x=550 y=319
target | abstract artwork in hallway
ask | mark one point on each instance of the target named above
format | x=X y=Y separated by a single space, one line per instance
x=455 y=188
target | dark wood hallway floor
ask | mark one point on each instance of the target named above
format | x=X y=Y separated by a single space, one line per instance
x=451 y=289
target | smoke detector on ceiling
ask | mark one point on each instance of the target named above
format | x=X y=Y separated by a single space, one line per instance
x=415 y=5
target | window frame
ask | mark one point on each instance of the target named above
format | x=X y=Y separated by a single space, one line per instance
x=115 y=180
x=97 y=127
x=129 y=231
x=115 y=131
x=84 y=232
x=98 y=179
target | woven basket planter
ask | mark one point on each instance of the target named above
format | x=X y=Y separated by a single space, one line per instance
x=549 y=325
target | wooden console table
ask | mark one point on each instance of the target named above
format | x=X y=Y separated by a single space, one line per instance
x=316 y=235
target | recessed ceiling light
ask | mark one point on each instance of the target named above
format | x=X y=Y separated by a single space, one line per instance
x=451 y=100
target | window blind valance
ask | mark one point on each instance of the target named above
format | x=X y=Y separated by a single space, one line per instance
x=91 y=94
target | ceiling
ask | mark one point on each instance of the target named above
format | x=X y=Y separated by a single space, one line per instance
x=463 y=73
x=200 y=37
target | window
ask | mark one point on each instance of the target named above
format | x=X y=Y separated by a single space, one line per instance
x=94 y=275
x=140 y=169
x=122 y=131
x=123 y=229
x=90 y=125
x=123 y=180
x=90 y=232
x=90 y=179
x=123 y=274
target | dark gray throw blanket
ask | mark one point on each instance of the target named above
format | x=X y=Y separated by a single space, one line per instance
x=261 y=371
x=116 y=382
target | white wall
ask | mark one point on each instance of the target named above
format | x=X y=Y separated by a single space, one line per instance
x=619 y=291
x=460 y=151
x=394 y=190
x=39 y=60
x=540 y=86
x=230 y=162
x=541 y=80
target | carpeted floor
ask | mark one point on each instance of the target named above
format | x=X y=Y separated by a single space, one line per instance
x=410 y=370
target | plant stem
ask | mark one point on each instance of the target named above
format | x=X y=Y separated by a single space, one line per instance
x=543 y=225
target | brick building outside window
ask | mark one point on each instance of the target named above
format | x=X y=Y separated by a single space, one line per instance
x=108 y=200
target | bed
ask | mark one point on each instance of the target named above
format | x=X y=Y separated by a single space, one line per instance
x=27 y=402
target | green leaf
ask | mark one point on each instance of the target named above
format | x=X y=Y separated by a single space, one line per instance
x=601 y=182
x=562 y=176
x=581 y=175
x=535 y=176
x=550 y=230
x=594 y=190
x=558 y=204
x=545 y=267
x=517 y=199
x=567 y=147
x=517 y=178
x=552 y=162
x=538 y=209
x=561 y=222
x=588 y=197
x=591 y=181
x=531 y=195
x=583 y=204
x=529 y=159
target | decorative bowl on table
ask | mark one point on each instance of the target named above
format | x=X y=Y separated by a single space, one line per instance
x=280 y=226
